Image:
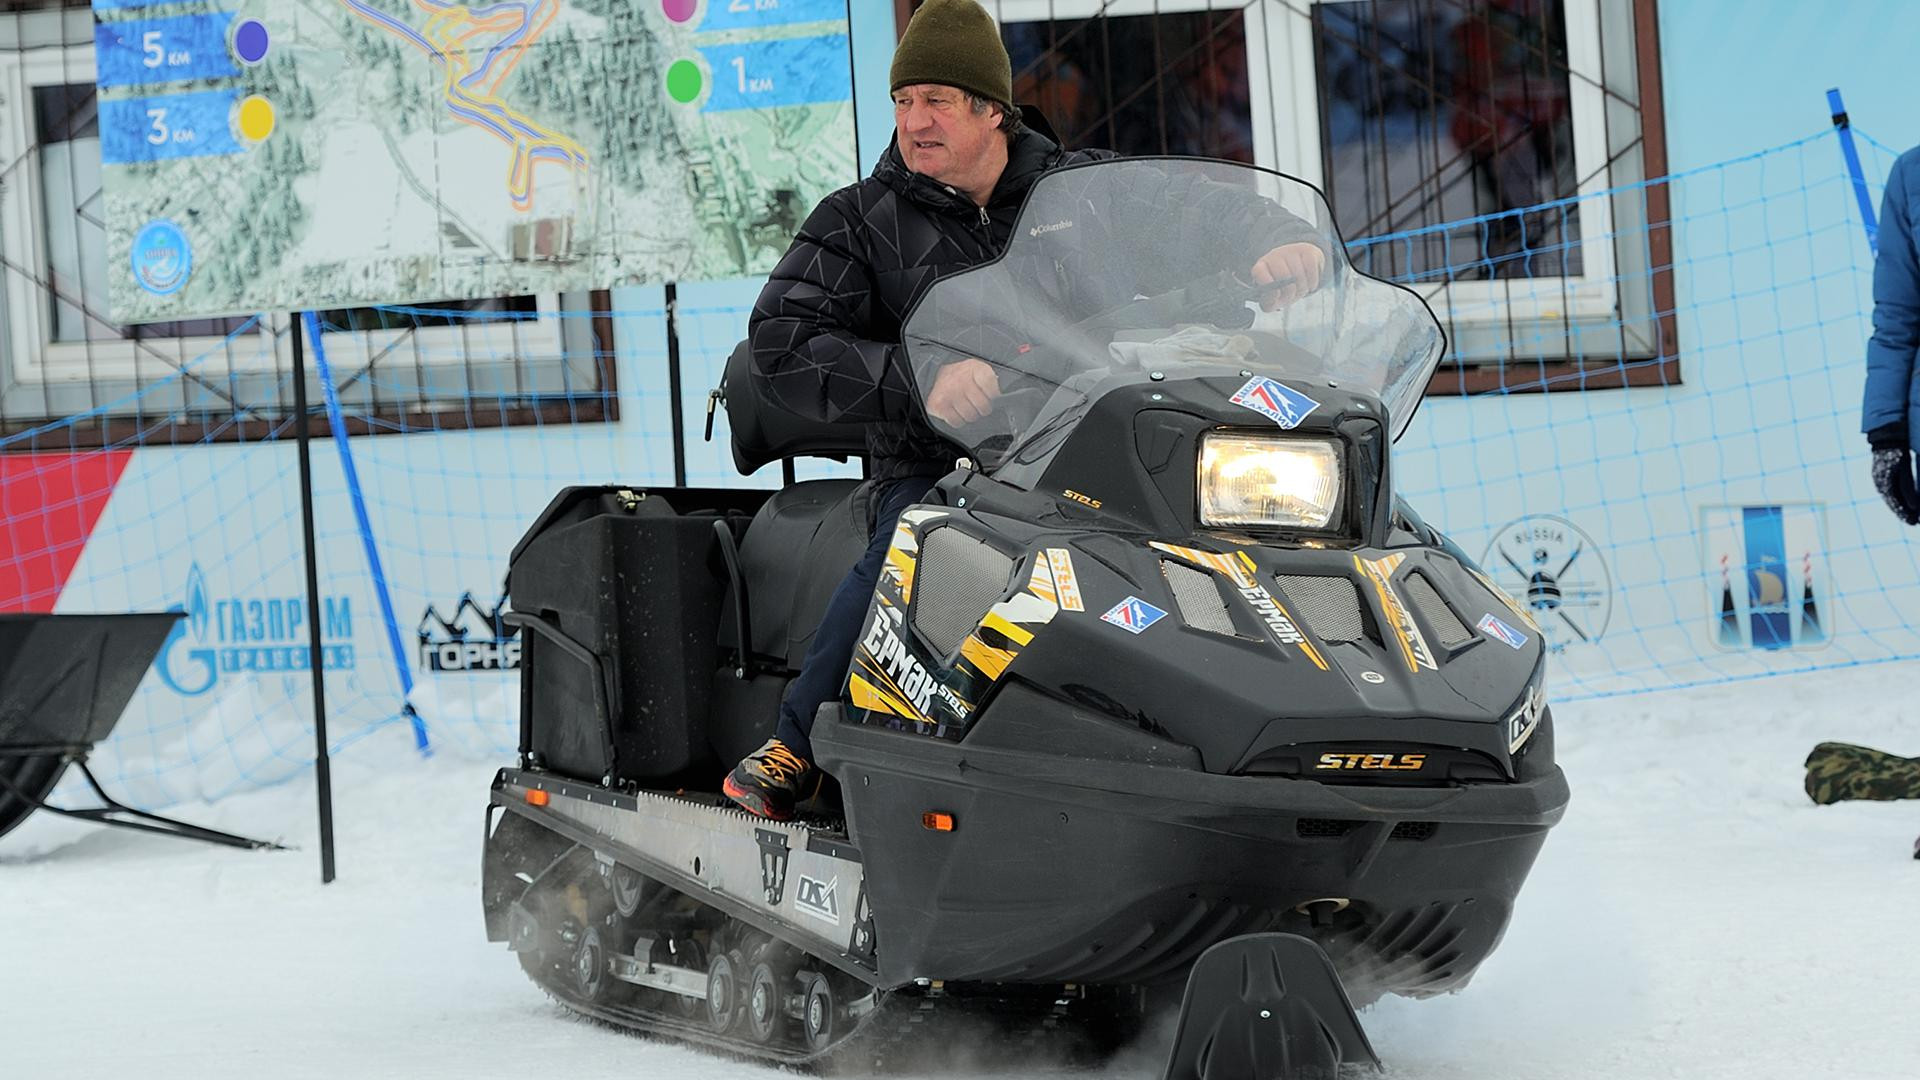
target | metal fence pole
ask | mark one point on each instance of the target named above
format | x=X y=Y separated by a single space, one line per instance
x=322 y=764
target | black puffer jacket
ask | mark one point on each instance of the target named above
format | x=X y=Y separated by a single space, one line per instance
x=825 y=332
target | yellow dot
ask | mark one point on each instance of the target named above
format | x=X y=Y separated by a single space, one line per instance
x=256 y=118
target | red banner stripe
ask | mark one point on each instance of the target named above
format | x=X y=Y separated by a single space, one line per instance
x=49 y=505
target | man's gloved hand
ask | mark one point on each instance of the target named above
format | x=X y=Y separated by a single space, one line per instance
x=1893 y=471
x=963 y=392
x=1300 y=265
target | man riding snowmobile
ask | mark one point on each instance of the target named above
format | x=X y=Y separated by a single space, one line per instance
x=825 y=331
x=1163 y=683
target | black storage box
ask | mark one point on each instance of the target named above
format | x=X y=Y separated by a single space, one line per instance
x=618 y=596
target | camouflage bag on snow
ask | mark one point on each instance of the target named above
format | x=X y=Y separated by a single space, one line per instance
x=1840 y=771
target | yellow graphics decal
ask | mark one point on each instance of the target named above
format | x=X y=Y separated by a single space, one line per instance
x=898 y=569
x=1053 y=579
x=868 y=696
x=1040 y=582
x=896 y=681
x=990 y=661
x=894 y=676
x=1373 y=762
x=1238 y=568
x=1218 y=563
x=1413 y=646
x=1008 y=627
x=1066 y=586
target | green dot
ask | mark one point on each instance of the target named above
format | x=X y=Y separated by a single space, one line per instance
x=683 y=81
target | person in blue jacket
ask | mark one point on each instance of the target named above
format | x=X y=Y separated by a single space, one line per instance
x=1893 y=395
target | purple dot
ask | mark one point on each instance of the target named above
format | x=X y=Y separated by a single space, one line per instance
x=679 y=10
x=250 y=41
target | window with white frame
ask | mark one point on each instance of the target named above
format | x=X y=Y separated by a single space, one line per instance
x=1489 y=153
x=544 y=358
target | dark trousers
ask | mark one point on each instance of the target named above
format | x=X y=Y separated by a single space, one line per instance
x=825 y=668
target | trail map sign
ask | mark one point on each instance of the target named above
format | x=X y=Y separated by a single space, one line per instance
x=269 y=155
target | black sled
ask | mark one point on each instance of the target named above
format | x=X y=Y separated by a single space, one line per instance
x=64 y=681
x=1161 y=687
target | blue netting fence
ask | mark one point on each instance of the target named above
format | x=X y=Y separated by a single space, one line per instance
x=1711 y=522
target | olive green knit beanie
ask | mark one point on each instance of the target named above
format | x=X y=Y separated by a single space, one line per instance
x=954 y=43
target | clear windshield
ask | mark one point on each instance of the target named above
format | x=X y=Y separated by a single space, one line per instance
x=1142 y=269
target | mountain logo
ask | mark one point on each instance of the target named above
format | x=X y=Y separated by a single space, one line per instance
x=472 y=639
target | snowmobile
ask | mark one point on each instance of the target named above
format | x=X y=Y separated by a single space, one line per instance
x=1162 y=685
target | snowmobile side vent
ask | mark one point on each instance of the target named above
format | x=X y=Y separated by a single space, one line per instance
x=1414 y=830
x=1330 y=606
x=1309 y=828
x=958 y=579
x=1452 y=632
x=1199 y=598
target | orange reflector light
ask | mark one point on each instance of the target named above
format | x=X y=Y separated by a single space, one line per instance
x=937 y=821
x=536 y=797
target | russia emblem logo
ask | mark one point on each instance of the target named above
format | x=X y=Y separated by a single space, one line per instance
x=1275 y=401
x=1501 y=632
x=1133 y=615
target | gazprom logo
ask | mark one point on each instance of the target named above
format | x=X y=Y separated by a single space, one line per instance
x=197 y=603
x=248 y=635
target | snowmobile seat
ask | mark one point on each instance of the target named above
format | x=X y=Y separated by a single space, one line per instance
x=764 y=431
x=799 y=545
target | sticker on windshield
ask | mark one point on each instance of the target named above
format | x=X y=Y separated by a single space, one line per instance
x=1275 y=401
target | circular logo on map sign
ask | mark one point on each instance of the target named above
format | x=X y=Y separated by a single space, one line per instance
x=162 y=260
x=1550 y=565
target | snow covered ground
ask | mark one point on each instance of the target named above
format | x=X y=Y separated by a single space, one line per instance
x=1694 y=916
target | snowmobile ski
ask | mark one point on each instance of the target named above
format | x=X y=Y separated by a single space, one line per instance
x=1266 y=1007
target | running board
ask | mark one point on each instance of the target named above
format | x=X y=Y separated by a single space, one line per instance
x=798 y=882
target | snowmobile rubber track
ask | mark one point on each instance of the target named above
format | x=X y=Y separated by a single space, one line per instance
x=749 y=868
x=589 y=827
x=903 y=1025
x=656 y=1024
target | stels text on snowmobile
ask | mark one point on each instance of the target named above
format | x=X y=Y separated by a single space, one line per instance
x=1161 y=687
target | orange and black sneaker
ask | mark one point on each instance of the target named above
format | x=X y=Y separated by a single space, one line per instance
x=768 y=782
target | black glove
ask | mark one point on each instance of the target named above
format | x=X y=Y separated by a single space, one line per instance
x=1893 y=471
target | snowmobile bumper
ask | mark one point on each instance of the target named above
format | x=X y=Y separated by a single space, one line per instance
x=1072 y=869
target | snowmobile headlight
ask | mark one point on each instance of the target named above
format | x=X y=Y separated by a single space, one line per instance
x=1265 y=480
